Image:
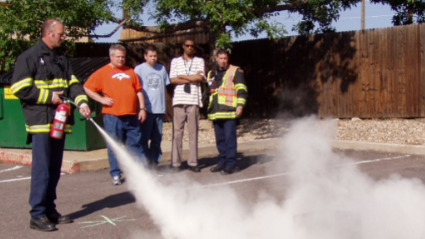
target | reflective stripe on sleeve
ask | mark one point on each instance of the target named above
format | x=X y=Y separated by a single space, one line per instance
x=241 y=101
x=42 y=98
x=79 y=98
x=222 y=115
x=51 y=84
x=241 y=87
x=45 y=128
x=73 y=80
x=21 y=84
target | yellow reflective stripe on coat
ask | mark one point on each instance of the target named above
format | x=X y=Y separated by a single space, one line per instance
x=42 y=97
x=241 y=87
x=227 y=100
x=227 y=92
x=45 y=128
x=222 y=115
x=73 y=80
x=21 y=84
x=79 y=98
x=241 y=101
x=50 y=84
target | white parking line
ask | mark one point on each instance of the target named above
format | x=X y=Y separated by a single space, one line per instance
x=17 y=179
x=283 y=174
x=10 y=169
x=14 y=180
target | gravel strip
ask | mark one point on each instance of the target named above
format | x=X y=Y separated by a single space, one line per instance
x=394 y=131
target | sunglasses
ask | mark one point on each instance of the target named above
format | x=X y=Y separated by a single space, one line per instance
x=189 y=46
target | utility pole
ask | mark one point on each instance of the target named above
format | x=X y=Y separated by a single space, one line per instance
x=363 y=14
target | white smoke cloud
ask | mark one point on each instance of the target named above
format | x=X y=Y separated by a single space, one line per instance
x=328 y=198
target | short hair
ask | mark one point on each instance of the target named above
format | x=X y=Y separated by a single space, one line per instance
x=222 y=51
x=188 y=39
x=150 y=48
x=116 y=47
x=48 y=25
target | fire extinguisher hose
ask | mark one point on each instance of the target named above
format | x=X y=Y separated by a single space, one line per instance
x=67 y=100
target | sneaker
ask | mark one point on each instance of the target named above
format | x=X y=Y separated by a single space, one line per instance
x=116 y=180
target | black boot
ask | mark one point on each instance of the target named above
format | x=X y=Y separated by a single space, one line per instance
x=217 y=168
x=57 y=218
x=227 y=171
x=42 y=224
x=195 y=169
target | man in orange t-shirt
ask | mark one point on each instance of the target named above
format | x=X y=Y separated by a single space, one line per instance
x=121 y=89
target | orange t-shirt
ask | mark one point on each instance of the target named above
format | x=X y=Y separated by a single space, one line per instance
x=120 y=84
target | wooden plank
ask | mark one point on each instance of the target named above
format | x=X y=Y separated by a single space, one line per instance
x=357 y=88
x=393 y=73
x=401 y=99
x=368 y=79
x=415 y=74
x=383 y=71
x=422 y=68
x=376 y=75
x=407 y=69
x=411 y=80
x=352 y=74
x=364 y=86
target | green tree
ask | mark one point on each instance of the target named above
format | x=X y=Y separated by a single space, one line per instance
x=20 y=23
x=407 y=11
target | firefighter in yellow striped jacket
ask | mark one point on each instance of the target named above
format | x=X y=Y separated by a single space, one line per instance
x=40 y=76
x=228 y=94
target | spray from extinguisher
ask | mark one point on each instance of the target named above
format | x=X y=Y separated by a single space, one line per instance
x=59 y=122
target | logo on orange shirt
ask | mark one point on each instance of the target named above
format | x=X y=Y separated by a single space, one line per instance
x=121 y=76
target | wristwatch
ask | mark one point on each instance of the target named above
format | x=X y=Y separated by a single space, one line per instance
x=143 y=109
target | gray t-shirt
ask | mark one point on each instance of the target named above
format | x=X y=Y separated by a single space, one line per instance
x=153 y=80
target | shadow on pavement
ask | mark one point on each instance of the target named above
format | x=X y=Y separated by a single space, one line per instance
x=243 y=162
x=112 y=201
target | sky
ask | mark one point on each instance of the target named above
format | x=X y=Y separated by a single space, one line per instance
x=377 y=16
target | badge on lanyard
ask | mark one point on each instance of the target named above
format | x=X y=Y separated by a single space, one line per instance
x=211 y=82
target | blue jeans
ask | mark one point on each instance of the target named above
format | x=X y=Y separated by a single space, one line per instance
x=47 y=155
x=226 y=141
x=152 y=130
x=124 y=129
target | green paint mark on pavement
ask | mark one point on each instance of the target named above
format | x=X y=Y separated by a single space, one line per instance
x=107 y=220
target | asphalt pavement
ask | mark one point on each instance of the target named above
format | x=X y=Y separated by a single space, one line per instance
x=84 y=161
x=101 y=210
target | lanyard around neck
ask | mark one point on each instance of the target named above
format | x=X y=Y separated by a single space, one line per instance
x=190 y=67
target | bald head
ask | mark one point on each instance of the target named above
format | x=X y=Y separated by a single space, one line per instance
x=52 y=33
x=48 y=25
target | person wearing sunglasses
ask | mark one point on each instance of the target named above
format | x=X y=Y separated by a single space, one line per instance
x=186 y=73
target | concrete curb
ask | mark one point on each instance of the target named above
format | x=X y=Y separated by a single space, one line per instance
x=75 y=161
x=380 y=147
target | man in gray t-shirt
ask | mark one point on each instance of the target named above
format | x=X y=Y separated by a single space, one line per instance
x=153 y=78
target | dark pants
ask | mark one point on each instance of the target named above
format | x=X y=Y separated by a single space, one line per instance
x=124 y=129
x=226 y=141
x=152 y=130
x=47 y=155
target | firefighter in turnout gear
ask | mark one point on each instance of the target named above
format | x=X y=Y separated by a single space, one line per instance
x=228 y=94
x=40 y=76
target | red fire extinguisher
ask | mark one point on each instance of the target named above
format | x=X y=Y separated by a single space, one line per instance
x=58 y=126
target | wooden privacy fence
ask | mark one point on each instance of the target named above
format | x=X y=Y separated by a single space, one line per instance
x=375 y=73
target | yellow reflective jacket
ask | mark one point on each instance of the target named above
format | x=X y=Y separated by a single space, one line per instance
x=227 y=91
